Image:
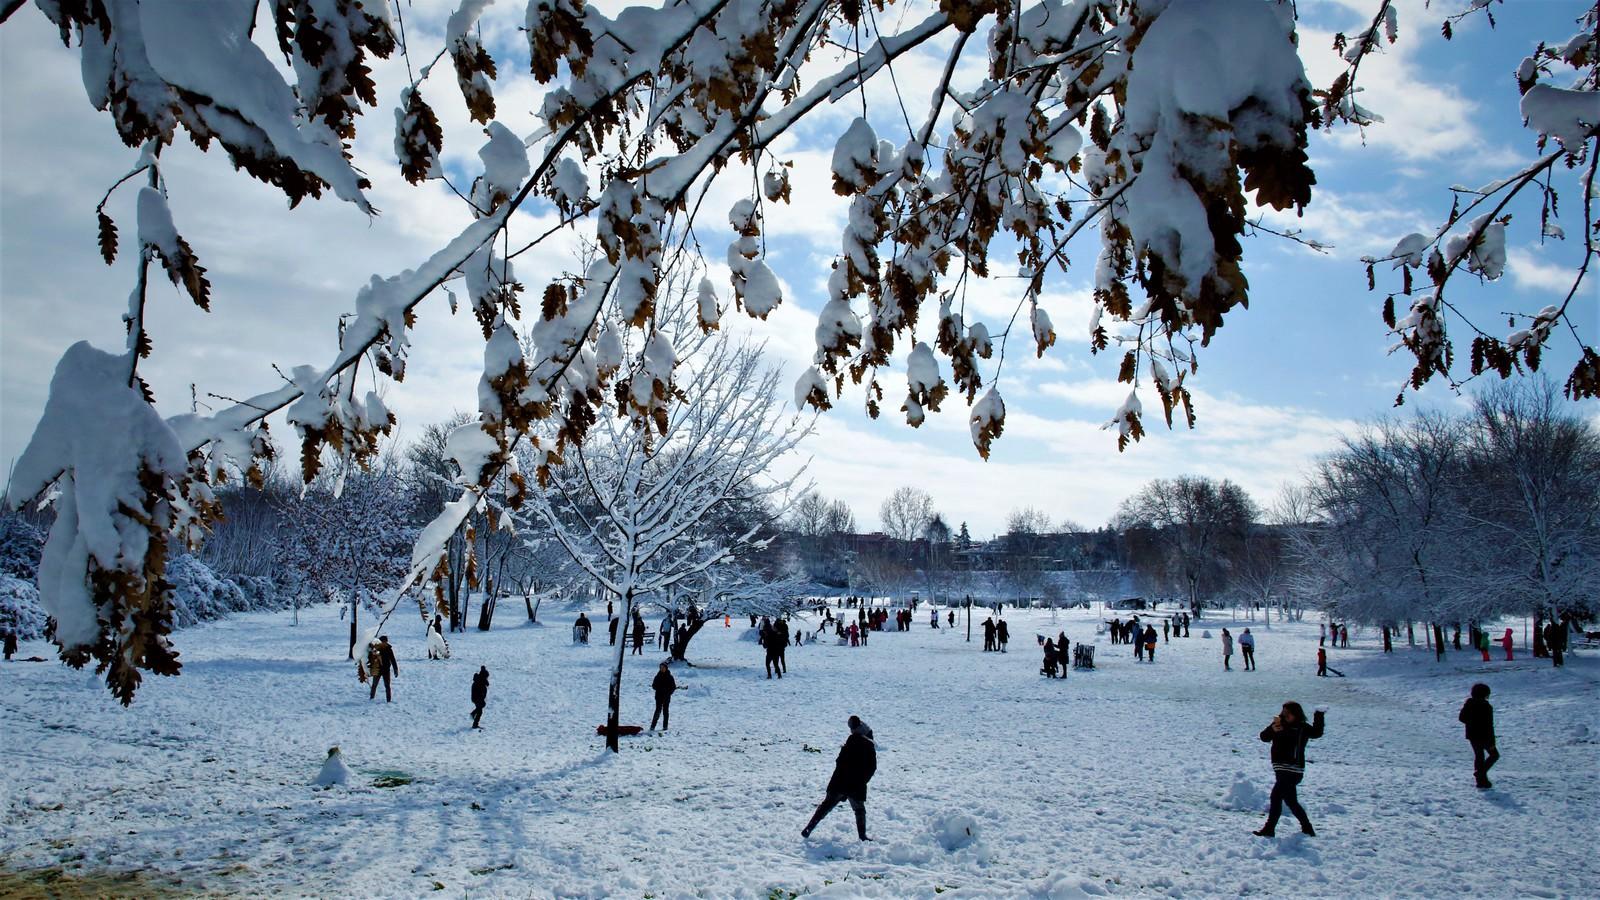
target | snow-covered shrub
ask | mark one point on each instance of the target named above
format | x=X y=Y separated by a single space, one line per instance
x=21 y=543
x=19 y=608
x=201 y=595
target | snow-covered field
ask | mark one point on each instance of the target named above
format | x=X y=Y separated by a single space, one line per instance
x=1123 y=781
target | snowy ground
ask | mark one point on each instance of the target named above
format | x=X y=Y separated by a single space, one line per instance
x=1113 y=782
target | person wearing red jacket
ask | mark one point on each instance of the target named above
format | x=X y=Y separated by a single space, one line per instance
x=1506 y=643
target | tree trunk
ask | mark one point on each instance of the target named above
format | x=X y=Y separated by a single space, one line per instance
x=1438 y=642
x=1411 y=634
x=680 y=642
x=354 y=608
x=486 y=612
x=614 y=693
x=1456 y=638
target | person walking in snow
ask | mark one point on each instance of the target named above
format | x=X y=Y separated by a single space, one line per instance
x=952 y=618
x=1185 y=624
x=854 y=634
x=1344 y=636
x=1478 y=716
x=1166 y=630
x=1002 y=634
x=769 y=642
x=988 y=634
x=1049 y=669
x=664 y=632
x=1322 y=662
x=1247 y=647
x=613 y=627
x=781 y=629
x=1555 y=637
x=638 y=634
x=857 y=762
x=663 y=685
x=11 y=644
x=1505 y=642
x=1227 y=650
x=382 y=664
x=1150 y=642
x=1288 y=735
x=480 y=693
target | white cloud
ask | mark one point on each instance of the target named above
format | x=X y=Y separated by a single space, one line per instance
x=1533 y=272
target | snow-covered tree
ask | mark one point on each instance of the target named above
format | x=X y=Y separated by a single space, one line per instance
x=633 y=505
x=1147 y=128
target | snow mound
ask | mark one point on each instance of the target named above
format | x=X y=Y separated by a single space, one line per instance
x=1581 y=734
x=334 y=771
x=1065 y=886
x=902 y=854
x=750 y=635
x=1243 y=796
x=1206 y=634
x=954 y=830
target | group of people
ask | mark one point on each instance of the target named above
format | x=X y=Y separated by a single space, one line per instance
x=1339 y=633
x=774 y=639
x=1055 y=656
x=1247 y=648
x=995 y=635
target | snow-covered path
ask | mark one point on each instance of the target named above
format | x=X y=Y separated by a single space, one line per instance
x=1107 y=782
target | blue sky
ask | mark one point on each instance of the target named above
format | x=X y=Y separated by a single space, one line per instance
x=1277 y=386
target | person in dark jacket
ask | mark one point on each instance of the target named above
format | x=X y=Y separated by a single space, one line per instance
x=1478 y=716
x=480 y=693
x=988 y=634
x=638 y=634
x=1049 y=669
x=663 y=684
x=384 y=656
x=11 y=645
x=858 y=760
x=1555 y=640
x=1288 y=735
x=1150 y=642
x=1002 y=634
x=613 y=627
x=781 y=629
x=768 y=639
x=582 y=627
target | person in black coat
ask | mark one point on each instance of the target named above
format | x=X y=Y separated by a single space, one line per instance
x=858 y=760
x=480 y=693
x=780 y=628
x=663 y=684
x=386 y=666
x=1002 y=634
x=638 y=634
x=613 y=627
x=1478 y=716
x=1288 y=735
x=11 y=644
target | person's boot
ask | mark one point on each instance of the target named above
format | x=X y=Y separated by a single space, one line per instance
x=1264 y=832
x=861 y=825
x=1306 y=829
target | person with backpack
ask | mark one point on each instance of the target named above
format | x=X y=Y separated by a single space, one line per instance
x=1478 y=716
x=1150 y=642
x=663 y=685
x=1227 y=650
x=855 y=766
x=381 y=663
x=1247 y=647
x=480 y=694
x=1288 y=735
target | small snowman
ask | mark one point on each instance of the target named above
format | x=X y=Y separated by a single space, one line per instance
x=334 y=771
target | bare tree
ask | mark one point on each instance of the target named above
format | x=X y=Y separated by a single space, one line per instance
x=1198 y=526
x=906 y=513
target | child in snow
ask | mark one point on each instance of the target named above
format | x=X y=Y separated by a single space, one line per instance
x=1227 y=650
x=1049 y=669
x=1506 y=643
x=1478 y=716
x=438 y=648
x=1288 y=735
x=480 y=693
x=1150 y=642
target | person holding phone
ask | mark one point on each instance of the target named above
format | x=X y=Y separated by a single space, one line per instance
x=1288 y=735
